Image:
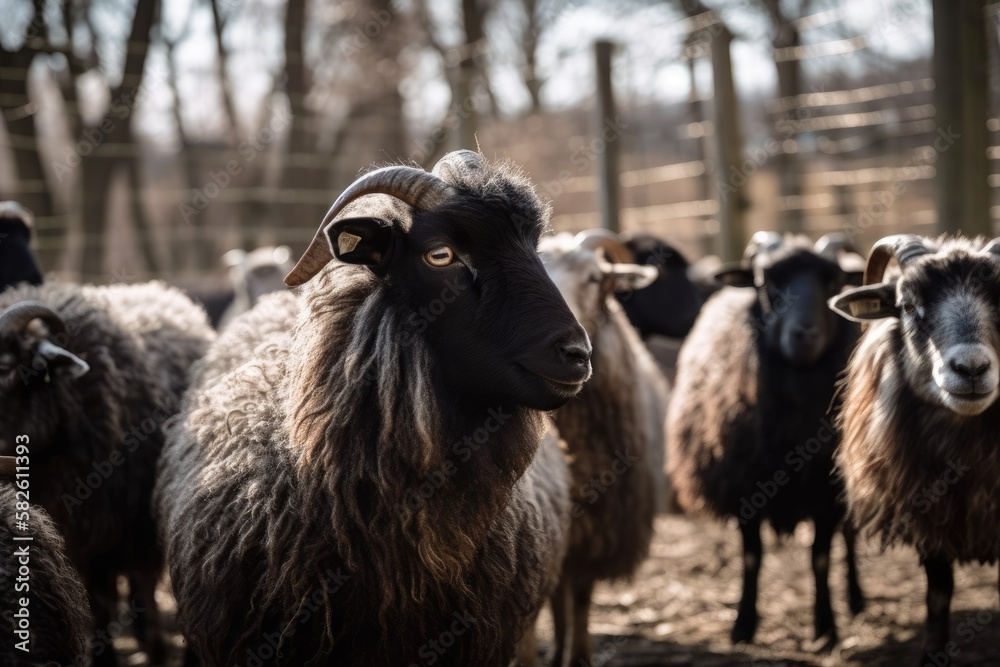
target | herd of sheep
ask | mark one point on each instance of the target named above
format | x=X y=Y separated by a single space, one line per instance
x=454 y=421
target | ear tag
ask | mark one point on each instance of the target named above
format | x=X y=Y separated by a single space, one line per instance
x=864 y=306
x=347 y=242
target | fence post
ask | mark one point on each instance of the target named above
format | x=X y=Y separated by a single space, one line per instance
x=960 y=85
x=606 y=130
x=728 y=146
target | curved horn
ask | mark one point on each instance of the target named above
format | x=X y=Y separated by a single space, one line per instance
x=993 y=246
x=903 y=247
x=410 y=185
x=16 y=317
x=12 y=210
x=608 y=241
x=832 y=244
x=762 y=242
x=450 y=168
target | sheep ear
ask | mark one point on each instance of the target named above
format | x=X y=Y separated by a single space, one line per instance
x=871 y=302
x=734 y=275
x=631 y=277
x=52 y=357
x=364 y=241
x=234 y=257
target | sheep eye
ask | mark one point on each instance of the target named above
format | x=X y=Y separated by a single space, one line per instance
x=909 y=308
x=594 y=278
x=442 y=256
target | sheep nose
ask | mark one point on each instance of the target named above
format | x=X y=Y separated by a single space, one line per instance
x=805 y=334
x=574 y=352
x=970 y=369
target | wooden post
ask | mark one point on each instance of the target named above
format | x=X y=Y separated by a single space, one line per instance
x=729 y=177
x=962 y=193
x=608 y=135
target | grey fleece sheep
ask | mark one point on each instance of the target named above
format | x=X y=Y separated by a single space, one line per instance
x=91 y=374
x=51 y=628
x=359 y=475
x=920 y=419
x=614 y=431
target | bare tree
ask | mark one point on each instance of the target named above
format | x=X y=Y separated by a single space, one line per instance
x=466 y=71
x=115 y=149
x=785 y=38
x=20 y=115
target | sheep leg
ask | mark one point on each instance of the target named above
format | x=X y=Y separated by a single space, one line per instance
x=562 y=600
x=825 y=627
x=190 y=659
x=527 y=647
x=582 y=592
x=147 y=623
x=855 y=596
x=102 y=590
x=940 y=586
x=753 y=550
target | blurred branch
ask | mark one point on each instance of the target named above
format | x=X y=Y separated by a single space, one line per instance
x=222 y=57
x=529 y=45
x=425 y=22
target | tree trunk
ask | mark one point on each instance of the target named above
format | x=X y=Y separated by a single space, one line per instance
x=529 y=45
x=110 y=143
x=20 y=113
x=468 y=69
x=786 y=36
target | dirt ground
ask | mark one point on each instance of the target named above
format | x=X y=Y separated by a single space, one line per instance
x=681 y=605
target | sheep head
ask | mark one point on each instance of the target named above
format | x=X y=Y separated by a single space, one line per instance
x=944 y=307
x=589 y=269
x=455 y=252
x=28 y=350
x=17 y=261
x=33 y=368
x=258 y=272
x=794 y=279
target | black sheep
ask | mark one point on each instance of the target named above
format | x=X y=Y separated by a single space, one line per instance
x=749 y=425
x=92 y=374
x=17 y=261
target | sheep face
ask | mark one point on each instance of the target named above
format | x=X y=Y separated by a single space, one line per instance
x=670 y=305
x=793 y=284
x=586 y=279
x=33 y=371
x=945 y=309
x=258 y=272
x=471 y=284
x=17 y=261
